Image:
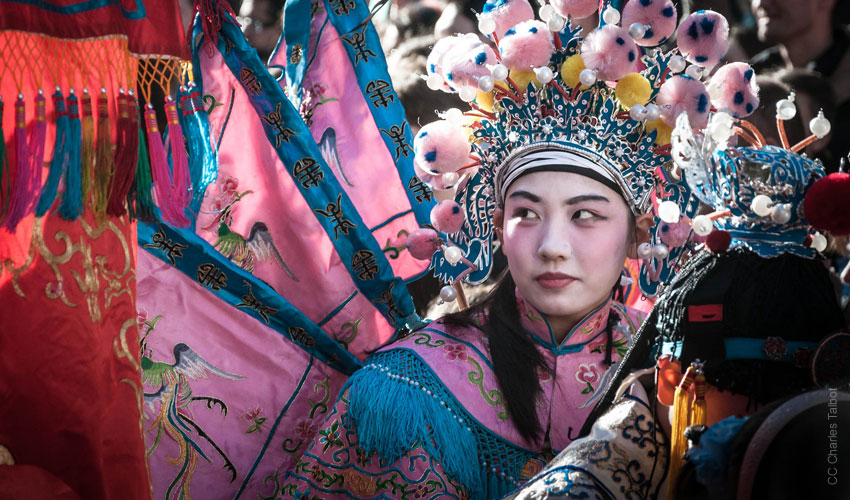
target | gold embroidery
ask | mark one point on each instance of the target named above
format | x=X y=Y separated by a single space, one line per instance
x=94 y=267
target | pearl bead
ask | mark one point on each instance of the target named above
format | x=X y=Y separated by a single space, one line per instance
x=544 y=75
x=611 y=16
x=499 y=72
x=486 y=25
x=702 y=225
x=820 y=126
x=644 y=251
x=486 y=84
x=546 y=12
x=669 y=212
x=450 y=178
x=467 y=94
x=434 y=81
x=660 y=251
x=694 y=72
x=556 y=23
x=637 y=30
x=819 y=242
x=452 y=254
x=587 y=77
x=653 y=112
x=454 y=116
x=785 y=108
x=781 y=213
x=761 y=205
x=638 y=112
x=677 y=64
x=447 y=293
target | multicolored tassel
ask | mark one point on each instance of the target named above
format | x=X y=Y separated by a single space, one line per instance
x=60 y=157
x=104 y=163
x=72 y=206
x=87 y=147
x=203 y=161
x=168 y=205
x=139 y=199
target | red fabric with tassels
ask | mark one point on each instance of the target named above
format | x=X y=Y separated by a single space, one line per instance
x=126 y=155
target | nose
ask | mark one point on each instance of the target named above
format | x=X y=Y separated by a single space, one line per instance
x=554 y=243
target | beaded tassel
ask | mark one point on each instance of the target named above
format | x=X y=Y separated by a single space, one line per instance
x=104 y=165
x=87 y=146
x=170 y=211
x=71 y=205
x=58 y=163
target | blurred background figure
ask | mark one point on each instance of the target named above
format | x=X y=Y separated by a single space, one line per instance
x=262 y=22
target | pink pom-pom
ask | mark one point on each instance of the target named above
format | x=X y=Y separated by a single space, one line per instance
x=434 y=63
x=576 y=9
x=658 y=15
x=610 y=51
x=682 y=93
x=447 y=216
x=676 y=234
x=704 y=38
x=734 y=87
x=507 y=13
x=422 y=243
x=441 y=147
x=527 y=45
x=467 y=62
x=434 y=181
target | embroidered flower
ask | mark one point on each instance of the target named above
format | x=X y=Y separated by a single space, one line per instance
x=455 y=352
x=543 y=375
x=141 y=318
x=252 y=413
x=305 y=429
x=253 y=416
x=587 y=373
x=421 y=491
x=229 y=185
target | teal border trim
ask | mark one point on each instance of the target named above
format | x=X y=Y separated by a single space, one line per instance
x=79 y=8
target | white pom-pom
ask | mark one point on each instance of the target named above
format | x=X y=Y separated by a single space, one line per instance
x=546 y=12
x=454 y=116
x=820 y=126
x=486 y=25
x=669 y=212
x=434 y=81
x=761 y=205
x=702 y=225
x=447 y=293
x=452 y=255
x=486 y=84
x=466 y=94
x=677 y=64
x=587 y=77
x=611 y=16
x=544 y=75
x=499 y=72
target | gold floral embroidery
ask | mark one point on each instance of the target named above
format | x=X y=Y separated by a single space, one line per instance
x=95 y=268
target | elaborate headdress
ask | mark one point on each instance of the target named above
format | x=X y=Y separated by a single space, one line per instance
x=604 y=105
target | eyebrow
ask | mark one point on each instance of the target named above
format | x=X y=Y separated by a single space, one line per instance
x=571 y=201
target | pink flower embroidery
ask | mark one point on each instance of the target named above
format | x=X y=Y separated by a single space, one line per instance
x=587 y=373
x=455 y=351
x=543 y=375
x=142 y=318
x=305 y=429
x=252 y=413
x=229 y=185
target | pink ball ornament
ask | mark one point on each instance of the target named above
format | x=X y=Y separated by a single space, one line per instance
x=467 y=62
x=507 y=13
x=674 y=234
x=734 y=87
x=704 y=38
x=434 y=63
x=576 y=9
x=610 y=51
x=447 y=216
x=682 y=93
x=527 y=45
x=658 y=15
x=422 y=243
x=441 y=147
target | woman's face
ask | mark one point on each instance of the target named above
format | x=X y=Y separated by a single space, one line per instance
x=566 y=238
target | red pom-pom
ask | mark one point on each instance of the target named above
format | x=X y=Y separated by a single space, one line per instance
x=718 y=241
x=827 y=204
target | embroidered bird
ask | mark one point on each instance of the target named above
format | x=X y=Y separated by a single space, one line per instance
x=246 y=251
x=327 y=146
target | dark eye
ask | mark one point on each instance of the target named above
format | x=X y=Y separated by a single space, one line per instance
x=525 y=213
x=584 y=215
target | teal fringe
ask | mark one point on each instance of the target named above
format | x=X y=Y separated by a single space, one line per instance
x=57 y=164
x=142 y=205
x=72 y=198
x=203 y=159
x=393 y=416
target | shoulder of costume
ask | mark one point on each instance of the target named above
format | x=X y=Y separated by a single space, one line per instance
x=405 y=397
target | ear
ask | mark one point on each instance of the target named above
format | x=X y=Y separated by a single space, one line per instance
x=498 y=219
x=642 y=224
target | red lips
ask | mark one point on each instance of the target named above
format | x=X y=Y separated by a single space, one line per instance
x=554 y=281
